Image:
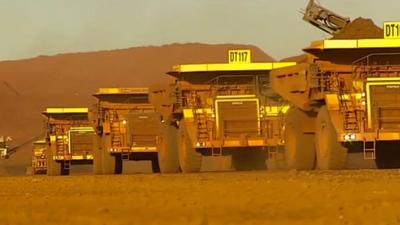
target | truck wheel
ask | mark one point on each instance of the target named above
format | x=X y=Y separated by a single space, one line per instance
x=330 y=153
x=97 y=156
x=53 y=167
x=118 y=164
x=243 y=160
x=299 y=147
x=387 y=155
x=155 y=166
x=64 y=171
x=108 y=160
x=189 y=159
x=167 y=149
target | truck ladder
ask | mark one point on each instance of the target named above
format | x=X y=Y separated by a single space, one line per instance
x=351 y=120
x=369 y=148
x=67 y=164
x=61 y=147
x=350 y=116
x=125 y=155
x=216 y=151
x=272 y=152
x=202 y=127
x=177 y=97
x=116 y=136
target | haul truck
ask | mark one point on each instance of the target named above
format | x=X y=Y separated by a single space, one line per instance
x=346 y=98
x=39 y=157
x=127 y=126
x=220 y=109
x=70 y=139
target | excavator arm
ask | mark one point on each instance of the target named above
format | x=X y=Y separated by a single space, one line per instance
x=324 y=19
x=6 y=151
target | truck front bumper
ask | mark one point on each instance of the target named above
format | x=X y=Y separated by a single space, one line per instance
x=369 y=136
x=230 y=143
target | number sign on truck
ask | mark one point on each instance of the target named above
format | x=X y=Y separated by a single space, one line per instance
x=239 y=56
x=392 y=30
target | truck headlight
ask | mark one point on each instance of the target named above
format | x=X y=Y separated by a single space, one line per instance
x=350 y=137
x=200 y=144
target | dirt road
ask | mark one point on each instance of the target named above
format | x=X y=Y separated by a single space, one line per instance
x=342 y=197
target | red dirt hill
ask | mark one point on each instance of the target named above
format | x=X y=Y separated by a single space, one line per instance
x=29 y=86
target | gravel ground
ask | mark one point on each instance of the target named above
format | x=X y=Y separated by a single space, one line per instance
x=291 y=197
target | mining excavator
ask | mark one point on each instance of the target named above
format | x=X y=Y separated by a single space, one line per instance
x=324 y=18
x=4 y=147
x=6 y=150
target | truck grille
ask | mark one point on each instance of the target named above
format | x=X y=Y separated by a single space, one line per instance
x=143 y=129
x=237 y=118
x=81 y=142
x=385 y=107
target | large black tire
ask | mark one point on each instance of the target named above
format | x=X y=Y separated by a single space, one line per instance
x=108 y=160
x=189 y=159
x=243 y=160
x=97 y=156
x=64 y=171
x=167 y=149
x=331 y=154
x=387 y=155
x=155 y=166
x=53 y=167
x=299 y=146
x=118 y=164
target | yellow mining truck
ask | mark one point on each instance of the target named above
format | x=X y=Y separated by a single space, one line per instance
x=39 y=157
x=70 y=139
x=220 y=109
x=346 y=98
x=127 y=125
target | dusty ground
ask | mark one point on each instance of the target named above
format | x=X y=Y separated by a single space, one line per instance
x=342 y=197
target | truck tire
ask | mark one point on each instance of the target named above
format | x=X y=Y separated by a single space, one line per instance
x=331 y=154
x=299 y=147
x=243 y=160
x=53 y=167
x=155 y=166
x=118 y=164
x=108 y=160
x=387 y=155
x=167 y=149
x=64 y=171
x=97 y=156
x=189 y=159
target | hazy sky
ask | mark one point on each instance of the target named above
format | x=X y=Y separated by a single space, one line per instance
x=47 y=27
